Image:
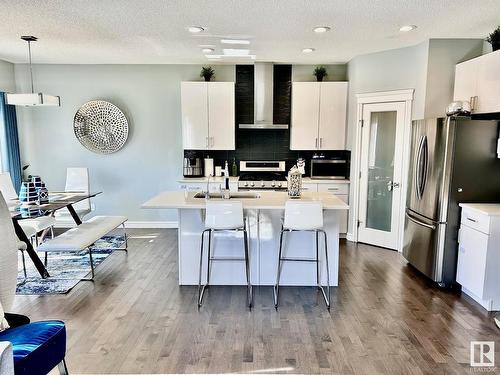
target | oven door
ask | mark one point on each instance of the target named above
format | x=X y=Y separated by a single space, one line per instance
x=335 y=169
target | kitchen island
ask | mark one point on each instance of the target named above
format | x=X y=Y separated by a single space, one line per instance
x=263 y=211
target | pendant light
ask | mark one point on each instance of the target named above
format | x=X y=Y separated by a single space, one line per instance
x=33 y=99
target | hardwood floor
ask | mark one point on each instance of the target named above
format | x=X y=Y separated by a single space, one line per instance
x=385 y=319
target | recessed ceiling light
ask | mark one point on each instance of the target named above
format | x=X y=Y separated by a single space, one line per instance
x=207 y=50
x=406 y=28
x=234 y=41
x=195 y=29
x=308 y=50
x=321 y=29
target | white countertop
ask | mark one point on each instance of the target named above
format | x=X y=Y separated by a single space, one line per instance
x=490 y=209
x=309 y=180
x=270 y=200
x=204 y=179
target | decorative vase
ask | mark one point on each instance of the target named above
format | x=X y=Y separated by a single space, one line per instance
x=37 y=181
x=294 y=183
x=28 y=193
x=43 y=194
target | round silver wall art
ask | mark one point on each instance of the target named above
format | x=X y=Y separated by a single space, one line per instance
x=101 y=127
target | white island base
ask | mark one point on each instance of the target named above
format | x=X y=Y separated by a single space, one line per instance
x=263 y=217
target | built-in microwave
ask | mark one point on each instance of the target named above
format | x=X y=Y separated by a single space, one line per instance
x=330 y=169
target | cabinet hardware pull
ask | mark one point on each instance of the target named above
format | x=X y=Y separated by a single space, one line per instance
x=473 y=220
x=206 y=142
x=316 y=143
x=320 y=142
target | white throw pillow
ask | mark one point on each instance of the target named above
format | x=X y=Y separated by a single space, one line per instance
x=3 y=323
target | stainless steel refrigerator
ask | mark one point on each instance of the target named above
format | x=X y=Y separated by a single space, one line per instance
x=453 y=160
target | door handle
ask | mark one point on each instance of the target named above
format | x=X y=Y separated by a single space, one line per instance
x=416 y=221
x=392 y=185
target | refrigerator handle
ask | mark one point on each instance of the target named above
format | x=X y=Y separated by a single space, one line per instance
x=417 y=168
x=418 y=222
x=421 y=167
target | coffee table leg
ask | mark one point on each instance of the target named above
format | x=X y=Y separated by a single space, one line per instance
x=74 y=215
x=29 y=249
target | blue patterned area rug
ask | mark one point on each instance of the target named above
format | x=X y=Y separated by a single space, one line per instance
x=66 y=269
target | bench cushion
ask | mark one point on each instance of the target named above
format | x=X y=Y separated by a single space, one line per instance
x=84 y=235
x=38 y=347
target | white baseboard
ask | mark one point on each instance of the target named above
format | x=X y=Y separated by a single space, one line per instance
x=129 y=224
x=350 y=237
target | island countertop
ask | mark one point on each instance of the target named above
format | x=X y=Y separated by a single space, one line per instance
x=267 y=200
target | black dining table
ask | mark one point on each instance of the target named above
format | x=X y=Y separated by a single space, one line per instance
x=57 y=201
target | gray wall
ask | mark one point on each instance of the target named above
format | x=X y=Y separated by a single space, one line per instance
x=7 y=80
x=304 y=73
x=151 y=160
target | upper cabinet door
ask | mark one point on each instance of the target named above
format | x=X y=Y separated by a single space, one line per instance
x=332 y=115
x=305 y=116
x=488 y=83
x=221 y=122
x=465 y=80
x=194 y=98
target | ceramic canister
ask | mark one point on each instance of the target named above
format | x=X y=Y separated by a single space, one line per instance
x=28 y=192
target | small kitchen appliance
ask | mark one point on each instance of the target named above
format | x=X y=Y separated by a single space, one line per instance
x=193 y=167
x=335 y=168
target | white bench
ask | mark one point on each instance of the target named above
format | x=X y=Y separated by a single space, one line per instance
x=84 y=236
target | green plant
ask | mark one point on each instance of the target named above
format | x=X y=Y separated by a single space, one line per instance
x=494 y=37
x=207 y=72
x=320 y=73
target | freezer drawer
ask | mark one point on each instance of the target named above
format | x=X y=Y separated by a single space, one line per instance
x=421 y=247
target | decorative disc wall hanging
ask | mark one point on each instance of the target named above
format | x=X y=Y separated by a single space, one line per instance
x=101 y=127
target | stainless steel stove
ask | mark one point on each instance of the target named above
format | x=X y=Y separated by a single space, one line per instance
x=263 y=175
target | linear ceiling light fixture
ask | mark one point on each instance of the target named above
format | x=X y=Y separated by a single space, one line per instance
x=195 y=29
x=308 y=50
x=33 y=98
x=235 y=41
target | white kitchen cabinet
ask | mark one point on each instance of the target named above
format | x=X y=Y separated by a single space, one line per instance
x=208 y=121
x=479 y=254
x=342 y=192
x=478 y=81
x=318 y=115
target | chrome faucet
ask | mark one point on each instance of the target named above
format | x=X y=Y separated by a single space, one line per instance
x=207 y=195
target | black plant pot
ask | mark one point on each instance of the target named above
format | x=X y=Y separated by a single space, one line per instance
x=319 y=78
x=495 y=45
x=207 y=78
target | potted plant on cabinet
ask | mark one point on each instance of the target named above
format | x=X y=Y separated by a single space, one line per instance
x=320 y=73
x=207 y=72
x=494 y=39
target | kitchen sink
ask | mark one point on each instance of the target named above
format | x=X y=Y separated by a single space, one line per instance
x=233 y=195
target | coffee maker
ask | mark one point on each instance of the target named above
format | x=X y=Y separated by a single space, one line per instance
x=193 y=166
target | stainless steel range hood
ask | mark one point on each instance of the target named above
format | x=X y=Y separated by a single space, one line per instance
x=263 y=98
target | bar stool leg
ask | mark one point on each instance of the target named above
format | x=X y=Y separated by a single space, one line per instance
x=317 y=261
x=326 y=295
x=24 y=265
x=201 y=289
x=209 y=262
x=280 y=264
x=247 y=267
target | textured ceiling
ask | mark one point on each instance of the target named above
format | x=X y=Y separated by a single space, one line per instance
x=154 y=31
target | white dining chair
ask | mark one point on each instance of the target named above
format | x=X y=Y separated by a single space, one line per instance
x=31 y=227
x=223 y=216
x=77 y=181
x=9 y=246
x=304 y=216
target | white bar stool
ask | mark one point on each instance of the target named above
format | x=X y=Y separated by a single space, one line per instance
x=223 y=216
x=304 y=216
